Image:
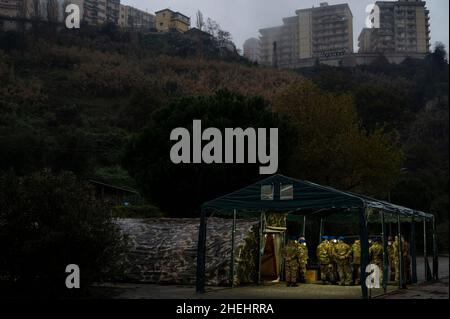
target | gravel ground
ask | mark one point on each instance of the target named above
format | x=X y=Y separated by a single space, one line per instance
x=437 y=290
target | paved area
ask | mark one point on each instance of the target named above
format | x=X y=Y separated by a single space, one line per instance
x=280 y=291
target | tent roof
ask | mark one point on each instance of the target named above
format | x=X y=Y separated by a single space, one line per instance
x=306 y=196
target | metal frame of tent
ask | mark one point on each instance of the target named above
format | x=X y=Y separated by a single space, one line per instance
x=305 y=199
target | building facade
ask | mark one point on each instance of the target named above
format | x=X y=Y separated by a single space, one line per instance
x=252 y=48
x=167 y=20
x=11 y=8
x=404 y=28
x=320 y=32
x=135 y=19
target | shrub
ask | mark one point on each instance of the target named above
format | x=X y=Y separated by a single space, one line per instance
x=48 y=221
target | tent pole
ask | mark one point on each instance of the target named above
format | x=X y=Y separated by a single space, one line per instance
x=259 y=245
x=413 y=252
x=435 y=253
x=304 y=226
x=201 y=254
x=385 y=249
x=321 y=230
x=233 y=232
x=400 y=253
x=425 y=255
x=364 y=239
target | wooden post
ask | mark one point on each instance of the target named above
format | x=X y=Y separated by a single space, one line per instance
x=201 y=254
x=385 y=250
x=413 y=252
x=425 y=253
x=435 y=253
x=259 y=245
x=233 y=232
x=400 y=252
x=364 y=239
x=304 y=226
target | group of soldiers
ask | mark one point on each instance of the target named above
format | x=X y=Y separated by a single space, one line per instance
x=340 y=263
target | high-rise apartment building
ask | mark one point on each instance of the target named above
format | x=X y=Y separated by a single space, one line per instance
x=404 y=28
x=132 y=18
x=320 y=32
x=252 y=49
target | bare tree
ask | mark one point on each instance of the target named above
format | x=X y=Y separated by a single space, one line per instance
x=200 y=21
x=212 y=27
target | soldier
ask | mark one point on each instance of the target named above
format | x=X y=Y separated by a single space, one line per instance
x=342 y=253
x=324 y=256
x=376 y=256
x=303 y=258
x=334 y=272
x=356 y=261
x=392 y=257
x=291 y=256
x=395 y=247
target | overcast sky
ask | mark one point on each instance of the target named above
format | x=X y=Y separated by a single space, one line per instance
x=243 y=18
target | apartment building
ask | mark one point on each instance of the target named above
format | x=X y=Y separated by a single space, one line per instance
x=11 y=8
x=112 y=11
x=167 y=20
x=252 y=49
x=132 y=18
x=404 y=28
x=319 y=32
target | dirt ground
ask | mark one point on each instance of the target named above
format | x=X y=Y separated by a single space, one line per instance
x=438 y=290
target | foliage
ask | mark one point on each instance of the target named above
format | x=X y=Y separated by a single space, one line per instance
x=147 y=158
x=332 y=149
x=48 y=221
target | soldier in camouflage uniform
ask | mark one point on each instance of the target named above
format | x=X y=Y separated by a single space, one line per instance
x=376 y=256
x=292 y=261
x=334 y=271
x=303 y=258
x=395 y=247
x=392 y=257
x=342 y=253
x=356 y=261
x=323 y=253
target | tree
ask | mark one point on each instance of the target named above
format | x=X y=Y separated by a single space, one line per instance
x=200 y=23
x=181 y=189
x=212 y=27
x=332 y=149
x=48 y=221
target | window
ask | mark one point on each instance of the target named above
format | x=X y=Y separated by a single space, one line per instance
x=287 y=192
x=266 y=192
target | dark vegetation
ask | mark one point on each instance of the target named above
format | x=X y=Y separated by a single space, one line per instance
x=101 y=104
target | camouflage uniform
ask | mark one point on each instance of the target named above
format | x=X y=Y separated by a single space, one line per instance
x=356 y=261
x=376 y=257
x=395 y=246
x=342 y=253
x=333 y=257
x=303 y=259
x=323 y=253
x=291 y=256
x=392 y=259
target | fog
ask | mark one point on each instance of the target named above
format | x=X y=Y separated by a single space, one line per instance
x=243 y=18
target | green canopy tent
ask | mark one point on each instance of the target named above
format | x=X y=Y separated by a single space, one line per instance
x=279 y=193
